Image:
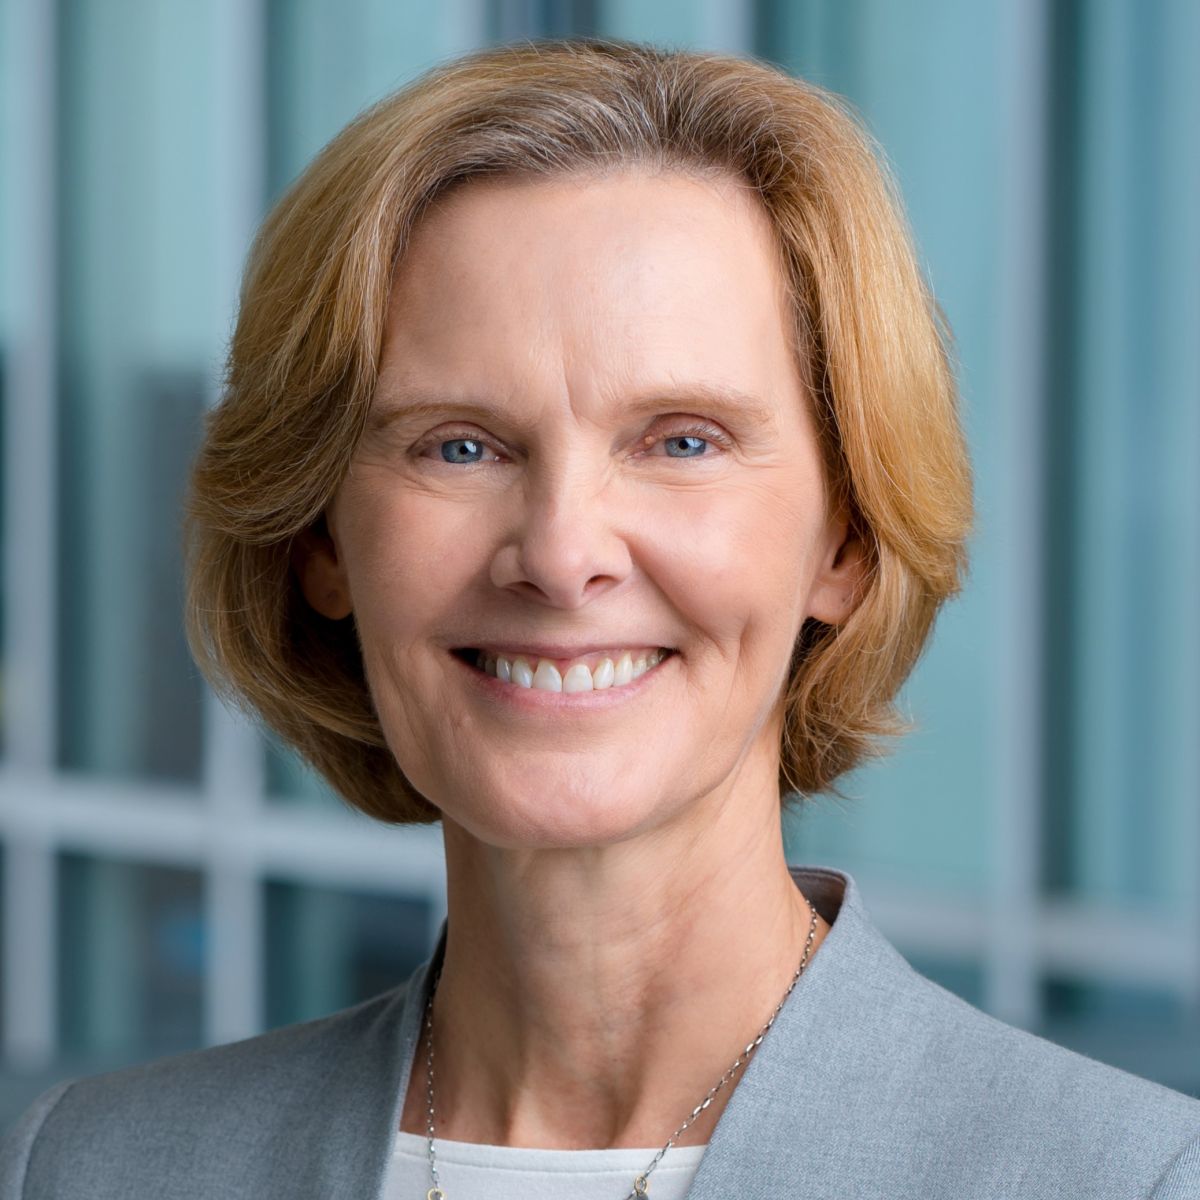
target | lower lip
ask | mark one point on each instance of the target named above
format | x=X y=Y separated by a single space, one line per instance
x=539 y=700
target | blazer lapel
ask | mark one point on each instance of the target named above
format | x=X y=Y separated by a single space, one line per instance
x=385 y=1069
x=795 y=1122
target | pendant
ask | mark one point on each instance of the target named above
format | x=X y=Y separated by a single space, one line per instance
x=640 y=1186
x=435 y=1193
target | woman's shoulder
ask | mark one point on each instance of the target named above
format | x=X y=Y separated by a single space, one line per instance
x=1004 y=1061
x=1014 y=1101
x=199 y=1118
x=958 y=1102
x=867 y=992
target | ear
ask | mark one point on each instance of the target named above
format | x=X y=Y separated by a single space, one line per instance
x=839 y=585
x=320 y=572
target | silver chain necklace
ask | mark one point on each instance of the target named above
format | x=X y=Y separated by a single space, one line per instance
x=640 y=1183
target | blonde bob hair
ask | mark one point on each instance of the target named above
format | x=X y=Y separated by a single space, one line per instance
x=869 y=338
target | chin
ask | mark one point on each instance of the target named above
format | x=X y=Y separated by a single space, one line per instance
x=551 y=817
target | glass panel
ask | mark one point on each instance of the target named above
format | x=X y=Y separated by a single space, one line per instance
x=508 y=21
x=1128 y=433
x=131 y=958
x=5 y=698
x=680 y=23
x=291 y=781
x=10 y=71
x=3 y=946
x=327 y=59
x=137 y=299
x=328 y=948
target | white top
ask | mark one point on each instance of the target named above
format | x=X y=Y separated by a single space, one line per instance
x=472 y=1171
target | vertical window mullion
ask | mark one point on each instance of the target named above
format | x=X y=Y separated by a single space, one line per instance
x=30 y=470
x=1011 y=979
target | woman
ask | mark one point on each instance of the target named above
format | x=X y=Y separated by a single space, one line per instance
x=588 y=479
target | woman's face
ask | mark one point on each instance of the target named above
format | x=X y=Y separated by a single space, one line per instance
x=589 y=435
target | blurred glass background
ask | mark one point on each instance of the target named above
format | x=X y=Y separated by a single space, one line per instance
x=170 y=880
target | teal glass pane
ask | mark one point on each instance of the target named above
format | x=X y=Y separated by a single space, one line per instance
x=509 y=21
x=327 y=60
x=290 y=780
x=137 y=302
x=5 y=691
x=669 y=22
x=3 y=866
x=327 y=948
x=1128 y=449
x=131 y=959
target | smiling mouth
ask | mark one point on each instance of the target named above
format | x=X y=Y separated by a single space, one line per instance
x=525 y=671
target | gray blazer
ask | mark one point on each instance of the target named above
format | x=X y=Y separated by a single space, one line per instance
x=874 y=1082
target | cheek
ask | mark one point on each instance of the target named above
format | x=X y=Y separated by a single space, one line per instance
x=734 y=562
x=406 y=558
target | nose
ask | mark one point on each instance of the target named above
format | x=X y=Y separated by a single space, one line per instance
x=566 y=544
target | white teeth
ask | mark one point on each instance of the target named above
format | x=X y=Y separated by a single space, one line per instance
x=602 y=676
x=624 y=670
x=577 y=679
x=545 y=676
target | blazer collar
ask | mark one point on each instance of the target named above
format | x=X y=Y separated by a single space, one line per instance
x=816 y=1057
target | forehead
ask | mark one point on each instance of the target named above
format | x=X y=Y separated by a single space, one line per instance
x=592 y=284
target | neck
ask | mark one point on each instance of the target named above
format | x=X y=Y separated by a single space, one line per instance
x=591 y=997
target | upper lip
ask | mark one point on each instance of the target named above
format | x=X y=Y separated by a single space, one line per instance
x=560 y=649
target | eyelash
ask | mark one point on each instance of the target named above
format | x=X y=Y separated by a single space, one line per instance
x=708 y=433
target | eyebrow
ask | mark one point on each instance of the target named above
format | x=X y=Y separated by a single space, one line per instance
x=410 y=404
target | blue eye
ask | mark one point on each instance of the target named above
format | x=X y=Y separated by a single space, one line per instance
x=476 y=446
x=686 y=437
x=698 y=440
